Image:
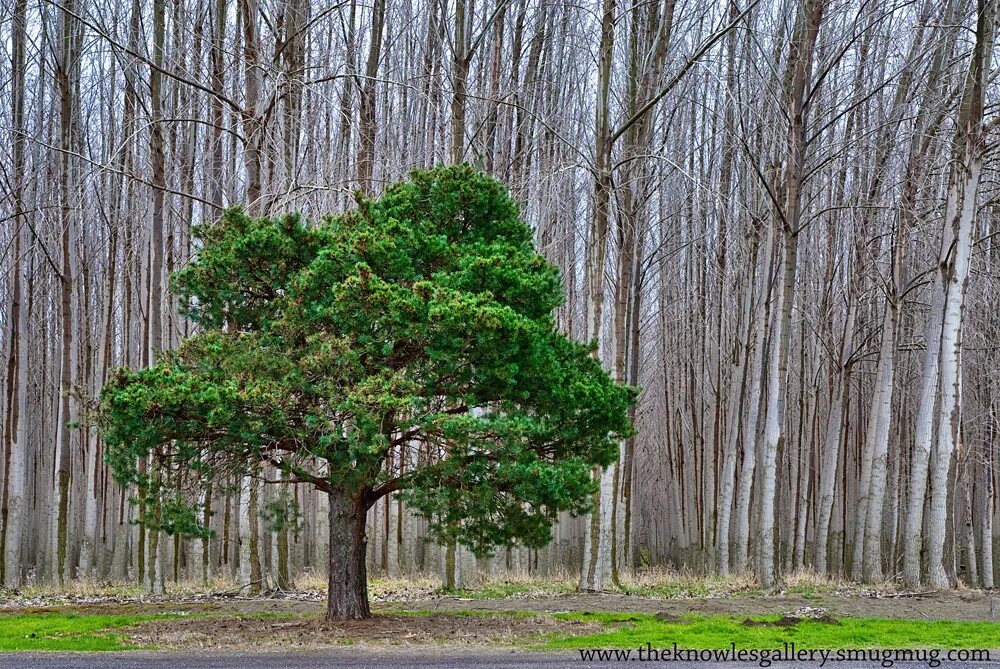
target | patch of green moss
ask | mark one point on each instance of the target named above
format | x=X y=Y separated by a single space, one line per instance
x=634 y=630
x=68 y=631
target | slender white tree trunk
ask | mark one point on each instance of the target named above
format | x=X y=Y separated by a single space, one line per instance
x=960 y=215
x=986 y=536
x=736 y=396
x=831 y=447
x=16 y=473
x=923 y=434
x=741 y=539
x=88 y=540
x=772 y=434
x=879 y=439
x=800 y=68
x=245 y=575
x=596 y=573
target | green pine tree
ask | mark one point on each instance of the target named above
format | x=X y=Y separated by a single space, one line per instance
x=424 y=317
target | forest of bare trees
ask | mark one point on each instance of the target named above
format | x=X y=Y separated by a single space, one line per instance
x=776 y=217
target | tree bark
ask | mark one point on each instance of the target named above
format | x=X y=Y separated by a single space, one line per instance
x=347 y=593
x=800 y=67
x=367 y=126
x=596 y=574
x=66 y=72
x=960 y=215
x=14 y=508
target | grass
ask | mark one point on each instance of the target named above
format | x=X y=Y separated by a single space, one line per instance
x=60 y=631
x=67 y=631
x=720 y=632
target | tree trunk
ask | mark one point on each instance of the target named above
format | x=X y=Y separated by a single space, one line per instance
x=741 y=537
x=459 y=75
x=834 y=430
x=987 y=502
x=870 y=537
x=366 y=112
x=960 y=215
x=218 y=80
x=66 y=81
x=800 y=67
x=249 y=565
x=16 y=440
x=596 y=574
x=347 y=595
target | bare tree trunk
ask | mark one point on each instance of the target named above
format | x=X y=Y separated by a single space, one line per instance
x=253 y=122
x=460 y=73
x=16 y=442
x=155 y=303
x=800 y=66
x=366 y=151
x=986 y=535
x=960 y=214
x=217 y=169
x=66 y=72
x=597 y=574
x=741 y=541
x=249 y=580
x=879 y=439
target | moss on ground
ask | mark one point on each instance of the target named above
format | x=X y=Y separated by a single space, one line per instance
x=626 y=630
x=68 y=631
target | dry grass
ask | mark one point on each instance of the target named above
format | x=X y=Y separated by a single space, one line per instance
x=809 y=583
x=687 y=583
x=501 y=584
x=95 y=588
x=810 y=579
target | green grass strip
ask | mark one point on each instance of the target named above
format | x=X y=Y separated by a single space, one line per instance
x=719 y=632
x=68 y=631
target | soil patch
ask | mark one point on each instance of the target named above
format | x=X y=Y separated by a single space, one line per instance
x=381 y=629
x=945 y=605
x=667 y=617
x=790 y=621
x=784 y=621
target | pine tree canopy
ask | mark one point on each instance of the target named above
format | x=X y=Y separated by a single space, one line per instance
x=420 y=324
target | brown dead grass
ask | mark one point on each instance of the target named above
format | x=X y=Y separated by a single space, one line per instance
x=382 y=629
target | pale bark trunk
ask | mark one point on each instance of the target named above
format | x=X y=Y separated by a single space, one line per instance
x=596 y=574
x=960 y=215
x=831 y=447
x=986 y=535
x=15 y=473
x=253 y=124
x=249 y=567
x=460 y=72
x=367 y=127
x=741 y=540
x=216 y=163
x=738 y=383
x=871 y=523
x=772 y=436
x=65 y=80
x=800 y=69
x=923 y=436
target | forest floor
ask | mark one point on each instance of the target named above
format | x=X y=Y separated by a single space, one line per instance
x=504 y=612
